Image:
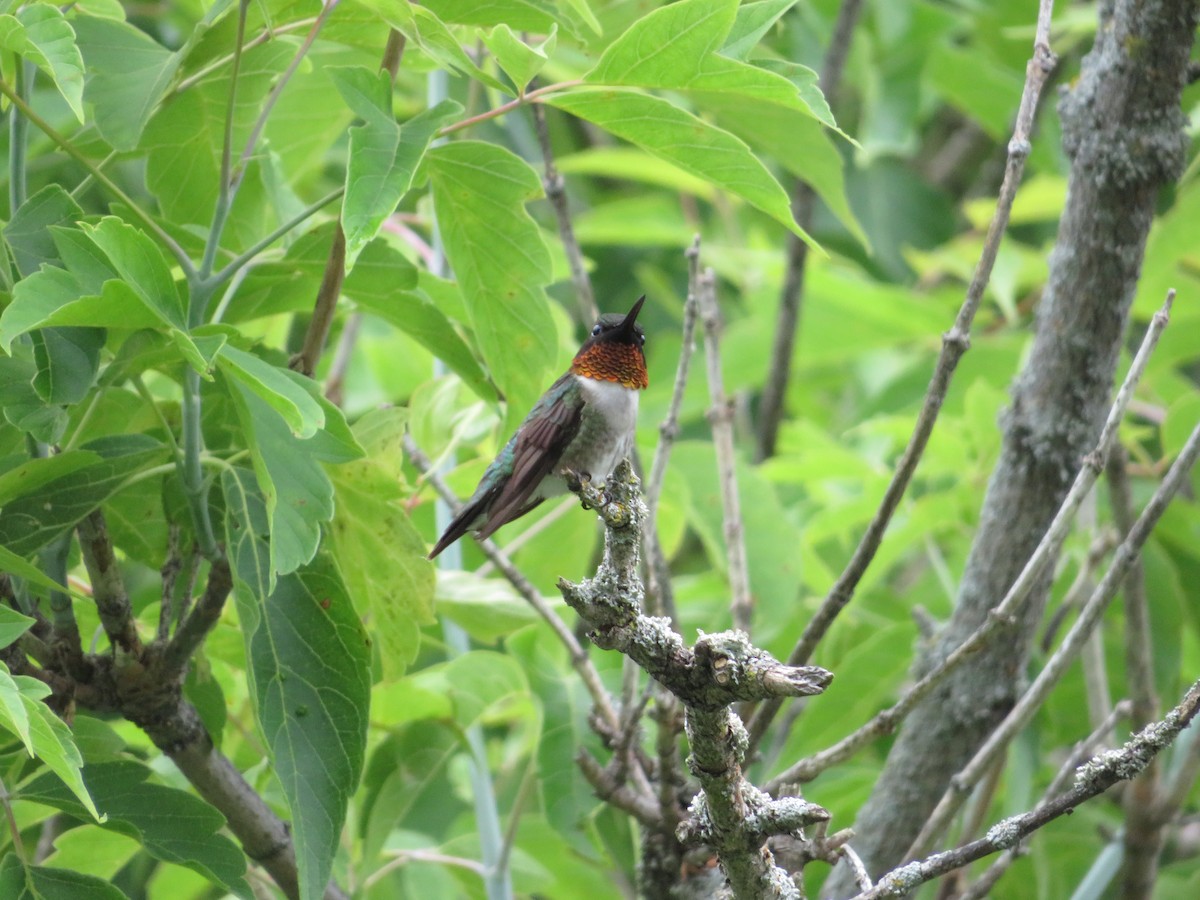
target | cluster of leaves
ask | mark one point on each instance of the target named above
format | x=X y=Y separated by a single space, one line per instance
x=173 y=201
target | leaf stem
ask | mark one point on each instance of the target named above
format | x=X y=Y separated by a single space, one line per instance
x=18 y=142
x=18 y=844
x=509 y=106
x=225 y=187
x=223 y=275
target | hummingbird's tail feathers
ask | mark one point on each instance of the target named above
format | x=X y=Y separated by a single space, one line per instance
x=467 y=517
x=495 y=521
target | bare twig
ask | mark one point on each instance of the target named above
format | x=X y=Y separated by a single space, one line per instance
x=886 y=721
x=336 y=382
x=954 y=344
x=720 y=415
x=1144 y=804
x=170 y=573
x=804 y=201
x=1099 y=774
x=1087 y=747
x=556 y=193
x=1033 y=698
x=305 y=362
x=200 y=621
x=659 y=586
x=108 y=587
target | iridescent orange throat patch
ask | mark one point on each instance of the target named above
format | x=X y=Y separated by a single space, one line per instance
x=622 y=363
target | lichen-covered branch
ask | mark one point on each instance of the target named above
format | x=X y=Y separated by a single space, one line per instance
x=730 y=815
x=1093 y=778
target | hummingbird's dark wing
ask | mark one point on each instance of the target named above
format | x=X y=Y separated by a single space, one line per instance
x=536 y=451
x=533 y=452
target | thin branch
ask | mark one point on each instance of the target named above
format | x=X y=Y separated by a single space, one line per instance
x=1037 y=692
x=13 y=828
x=1097 y=776
x=1079 y=754
x=556 y=193
x=108 y=587
x=276 y=90
x=886 y=721
x=530 y=97
x=241 y=259
x=804 y=202
x=170 y=574
x=741 y=603
x=181 y=257
x=256 y=41
x=200 y=621
x=1139 y=655
x=955 y=343
x=1146 y=810
x=305 y=362
x=659 y=586
x=335 y=383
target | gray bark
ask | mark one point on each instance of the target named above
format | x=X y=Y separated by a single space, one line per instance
x=1123 y=132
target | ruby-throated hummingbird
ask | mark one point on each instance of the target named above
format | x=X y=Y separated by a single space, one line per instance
x=583 y=426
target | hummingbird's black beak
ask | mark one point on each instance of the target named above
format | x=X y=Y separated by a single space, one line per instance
x=627 y=324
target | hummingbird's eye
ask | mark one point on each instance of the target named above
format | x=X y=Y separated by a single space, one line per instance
x=641 y=340
x=596 y=330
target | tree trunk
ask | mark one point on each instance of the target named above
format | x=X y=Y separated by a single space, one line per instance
x=1123 y=132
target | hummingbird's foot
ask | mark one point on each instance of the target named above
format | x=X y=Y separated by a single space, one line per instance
x=576 y=481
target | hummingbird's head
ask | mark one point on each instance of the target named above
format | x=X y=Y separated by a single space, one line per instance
x=614 y=350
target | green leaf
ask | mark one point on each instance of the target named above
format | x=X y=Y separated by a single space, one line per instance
x=686 y=141
x=417 y=316
x=67 y=361
x=28 y=233
x=976 y=86
x=247 y=535
x=23 y=568
x=55 y=297
x=798 y=142
x=675 y=47
x=520 y=61
x=298 y=494
x=141 y=264
x=172 y=825
x=523 y=15
x=383 y=154
x=19 y=882
x=44 y=497
x=486 y=608
x=53 y=743
x=379 y=552
x=12 y=623
x=290 y=284
x=41 y=34
x=430 y=35
x=186 y=134
x=128 y=72
x=13 y=715
x=310 y=676
x=501 y=263
x=752 y=22
x=22 y=406
x=272 y=385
